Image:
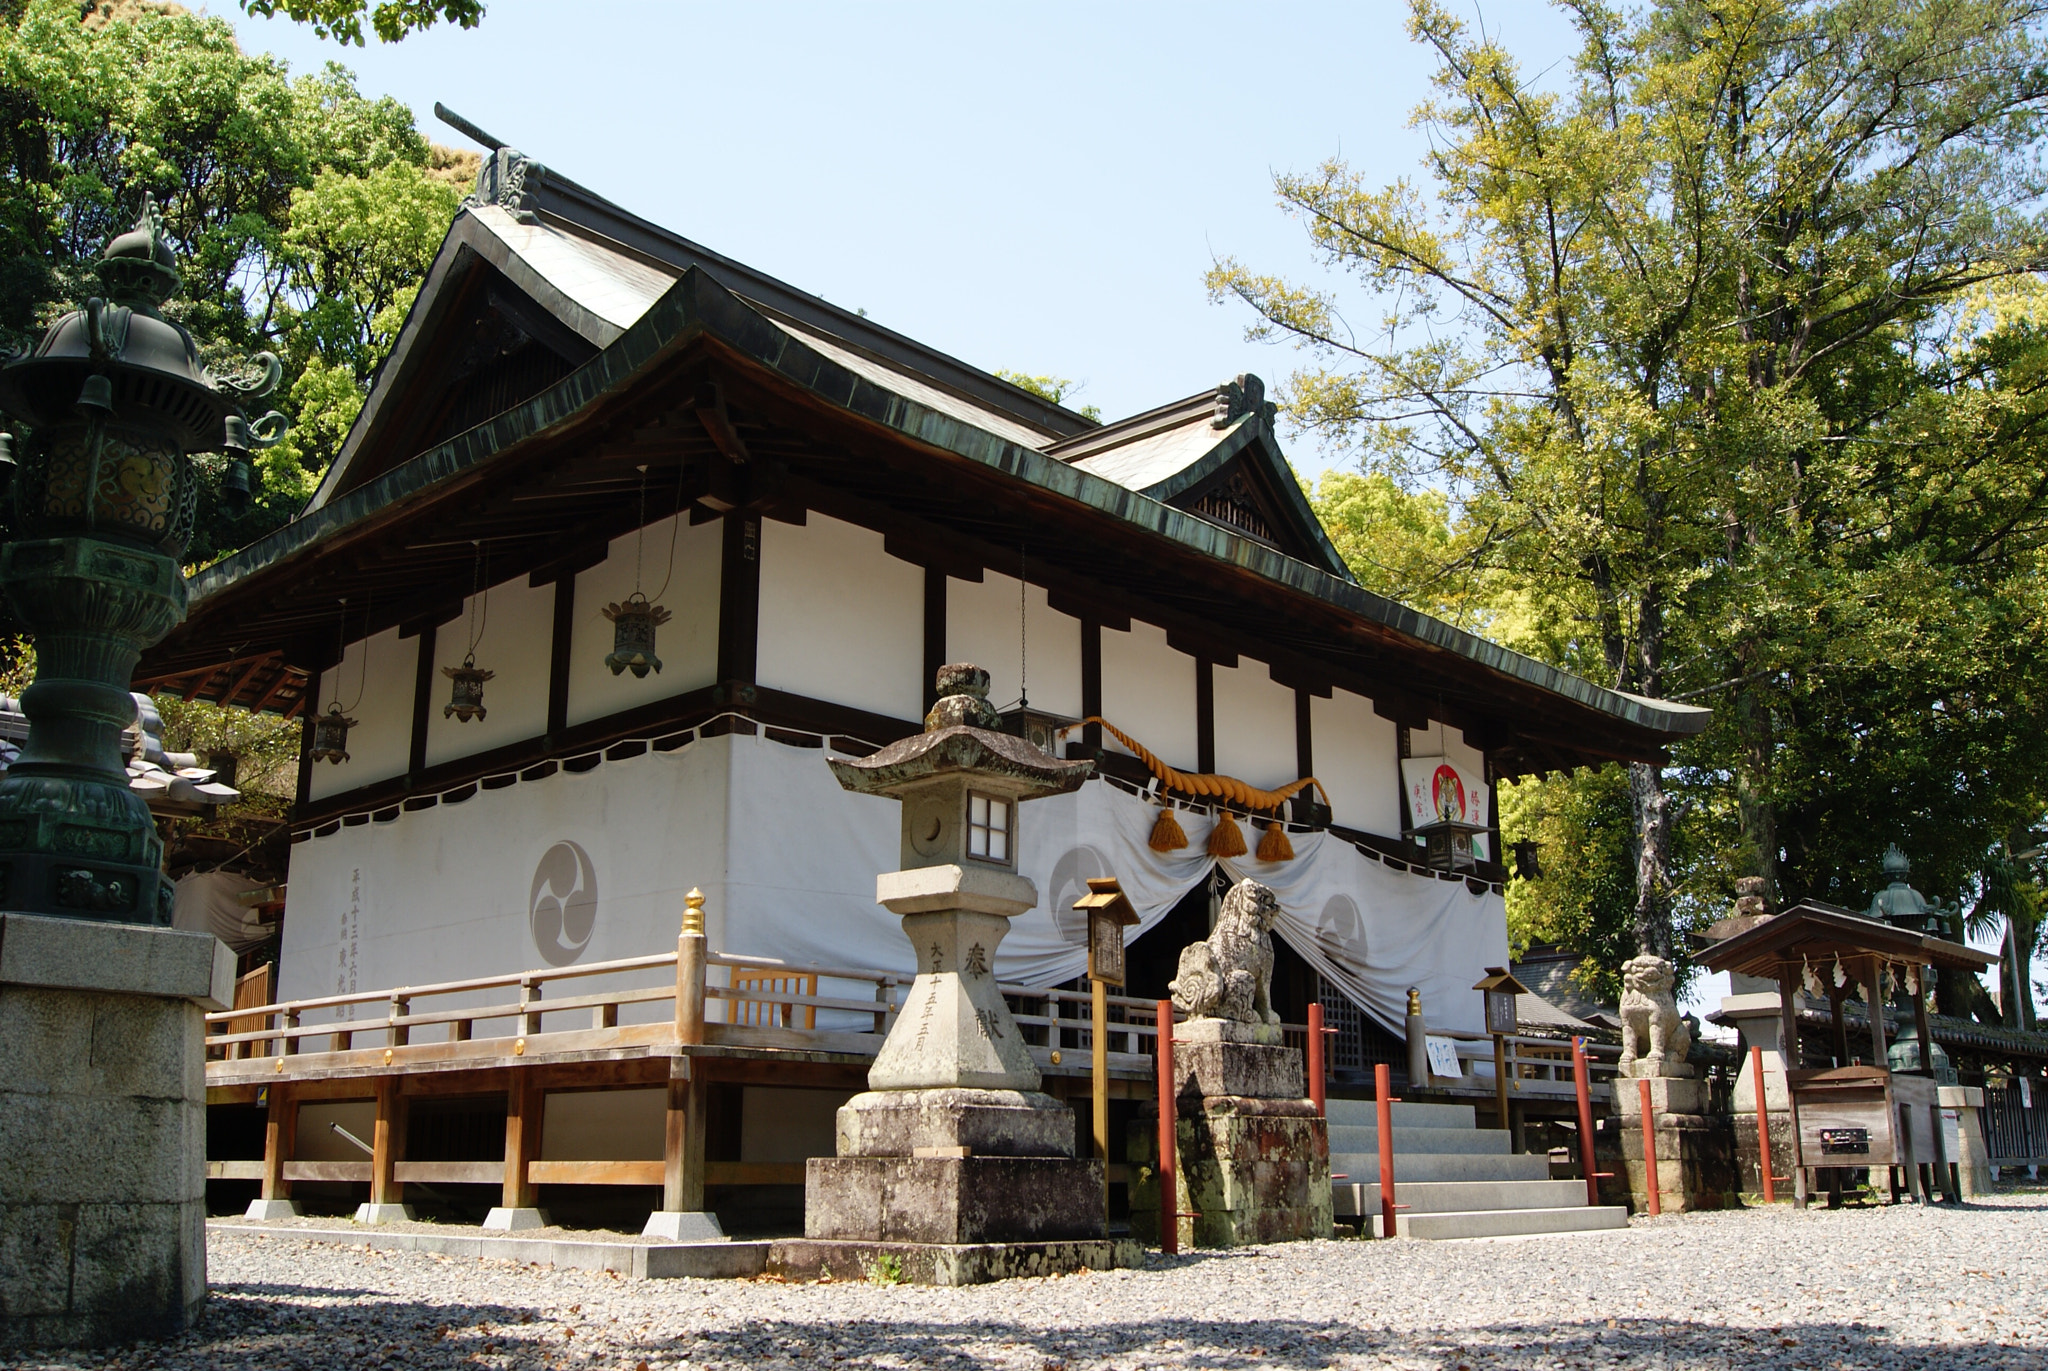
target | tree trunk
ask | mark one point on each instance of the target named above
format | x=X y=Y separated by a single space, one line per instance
x=1759 y=816
x=1652 y=808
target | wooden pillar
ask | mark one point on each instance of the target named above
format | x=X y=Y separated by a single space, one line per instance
x=1873 y=999
x=1920 y=1023
x=1091 y=681
x=387 y=1143
x=1788 y=1032
x=280 y=1139
x=1835 y=999
x=524 y=1106
x=934 y=633
x=561 y=638
x=1205 y=715
x=682 y=1172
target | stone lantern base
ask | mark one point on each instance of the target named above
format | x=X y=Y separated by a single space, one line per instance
x=1696 y=1162
x=954 y=1166
x=103 y=1128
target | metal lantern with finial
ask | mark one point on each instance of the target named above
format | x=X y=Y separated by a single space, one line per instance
x=330 y=735
x=634 y=620
x=113 y=399
x=466 y=700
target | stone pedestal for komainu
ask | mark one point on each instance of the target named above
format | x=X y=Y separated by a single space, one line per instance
x=103 y=1127
x=1254 y=1163
x=1695 y=1148
x=954 y=1145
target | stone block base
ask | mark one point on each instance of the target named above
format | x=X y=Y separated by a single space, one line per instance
x=261 y=1210
x=383 y=1213
x=1695 y=1163
x=501 y=1220
x=1261 y=1070
x=988 y=1123
x=952 y=1200
x=944 y=1264
x=1747 y=1169
x=102 y=1129
x=1250 y=1171
x=683 y=1225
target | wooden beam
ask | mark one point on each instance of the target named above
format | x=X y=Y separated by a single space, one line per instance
x=682 y=1167
x=1091 y=680
x=450 y=1173
x=280 y=1139
x=241 y=682
x=277 y=683
x=387 y=1146
x=358 y=1172
x=1205 y=715
x=524 y=1104
x=422 y=702
x=739 y=597
x=934 y=632
x=594 y=1173
x=1304 y=733
x=560 y=644
x=754 y=1173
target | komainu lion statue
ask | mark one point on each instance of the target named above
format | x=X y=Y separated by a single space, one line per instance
x=1230 y=976
x=1653 y=1038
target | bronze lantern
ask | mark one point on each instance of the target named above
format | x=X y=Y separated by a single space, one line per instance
x=633 y=623
x=330 y=735
x=466 y=699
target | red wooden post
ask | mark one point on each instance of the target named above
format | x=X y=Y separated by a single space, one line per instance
x=1318 y=1088
x=1649 y=1144
x=1763 y=1126
x=1383 y=1087
x=1169 y=1189
x=1583 y=1089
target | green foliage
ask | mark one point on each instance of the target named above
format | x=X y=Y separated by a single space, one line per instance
x=266 y=747
x=391 y=20
x=304 y=213
x=1721 y=350
x=885 y=1269
x=1053 y=388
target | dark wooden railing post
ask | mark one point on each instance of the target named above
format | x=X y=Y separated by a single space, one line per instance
x=1169 y=1185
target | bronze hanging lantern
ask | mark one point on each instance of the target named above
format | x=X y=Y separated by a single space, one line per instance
x=1448 y=843
x=330 y=735
x=466 y=700
x=633 y=623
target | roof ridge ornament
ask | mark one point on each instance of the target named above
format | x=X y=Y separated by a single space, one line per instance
x=1246 y=394
x=501 y=179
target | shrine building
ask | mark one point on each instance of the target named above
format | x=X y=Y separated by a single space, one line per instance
x=583 y=408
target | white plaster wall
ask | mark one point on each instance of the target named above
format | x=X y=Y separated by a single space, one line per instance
x=1148 y=691
x=1255 y=726
x=517 y=624
x=841 y=619
x=982 y=627
x=687 y=644
x=1358 y=760
x=380 y=745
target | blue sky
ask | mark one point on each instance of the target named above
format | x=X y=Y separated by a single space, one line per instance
x=1035 y=187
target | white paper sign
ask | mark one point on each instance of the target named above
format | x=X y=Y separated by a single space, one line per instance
x=1443 y=1056
x=1438 y=789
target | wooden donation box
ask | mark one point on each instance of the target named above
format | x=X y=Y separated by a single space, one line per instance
x=1858 y=1116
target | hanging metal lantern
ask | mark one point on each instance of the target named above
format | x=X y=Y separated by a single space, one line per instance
x=467 y=699
x=330 y=735
x=633 y=623
x=234 y=482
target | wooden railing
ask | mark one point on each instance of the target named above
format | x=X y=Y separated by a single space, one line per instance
x=523 y=1005
x=1538 y=1068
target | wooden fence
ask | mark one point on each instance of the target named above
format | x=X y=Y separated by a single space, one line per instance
x=2016 y=1123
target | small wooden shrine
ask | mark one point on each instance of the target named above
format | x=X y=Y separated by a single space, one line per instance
x=1854 y=1115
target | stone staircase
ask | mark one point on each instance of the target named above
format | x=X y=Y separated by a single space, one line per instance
x=1454 y=1179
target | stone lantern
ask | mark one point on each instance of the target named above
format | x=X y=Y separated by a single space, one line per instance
x=103 y=1179
x=1900 y=905
x=953 y=1142
x=114 y=398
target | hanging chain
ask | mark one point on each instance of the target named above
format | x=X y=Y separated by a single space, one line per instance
x=477 y=594
x=673 y=530
x=341 y=652
x=640 y=532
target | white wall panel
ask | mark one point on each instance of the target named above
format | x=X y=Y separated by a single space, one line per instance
x=1148 y=691
x=1357 y=757
x=380 y=745
x=687 y=644
x=1255 y=726
x=982 y=626
x=515 y=624
x=841 y=619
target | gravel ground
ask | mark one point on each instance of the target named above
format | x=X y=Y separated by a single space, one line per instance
x=1858 y=1288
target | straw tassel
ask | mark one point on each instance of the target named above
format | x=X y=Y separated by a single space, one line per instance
x=1226 y=839
x=1274 y=847
x=1166 y=834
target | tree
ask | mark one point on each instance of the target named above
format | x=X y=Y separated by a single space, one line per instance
x=1670 y=339
x=1053 y=388
x=304 y=213
x=342 y=20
